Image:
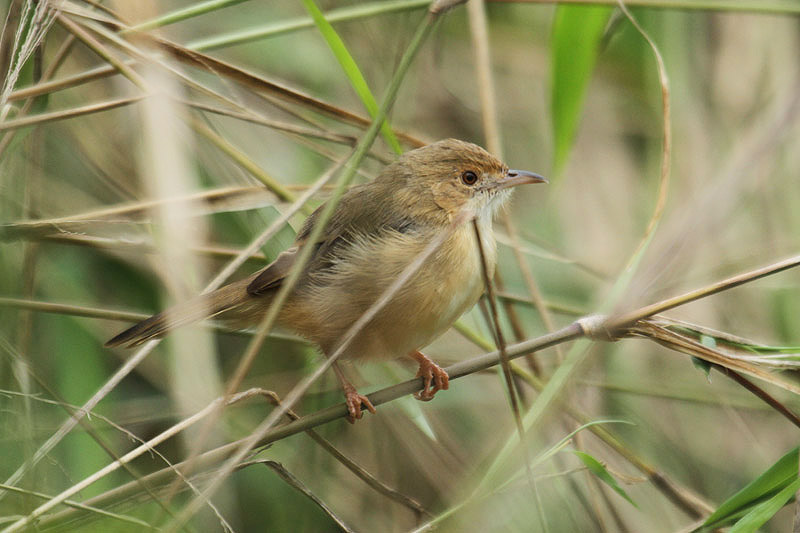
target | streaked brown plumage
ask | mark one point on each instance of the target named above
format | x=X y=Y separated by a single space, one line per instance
x=376 y=230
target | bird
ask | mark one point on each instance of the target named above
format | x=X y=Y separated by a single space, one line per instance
x=376 y=230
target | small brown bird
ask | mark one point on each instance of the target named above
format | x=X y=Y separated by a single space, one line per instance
x=376 y=231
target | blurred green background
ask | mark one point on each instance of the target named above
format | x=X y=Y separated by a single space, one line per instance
x=576 y=96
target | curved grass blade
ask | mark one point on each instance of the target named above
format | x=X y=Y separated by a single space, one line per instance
x=351 y=69
x=597 y=468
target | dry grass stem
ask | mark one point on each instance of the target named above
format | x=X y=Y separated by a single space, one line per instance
x=298 y=485
x=73 y=310
x=629 y=318
x=101 y=50
x=145 y=245
x=32 y=120
x=274 y=124
x=497 y=330
x=666 y=139
x=691 y=347
x=196 y=204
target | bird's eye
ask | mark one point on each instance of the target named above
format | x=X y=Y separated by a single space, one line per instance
x=469 y=178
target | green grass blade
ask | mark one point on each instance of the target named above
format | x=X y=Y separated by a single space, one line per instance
x=351 y=69
x=577 y=31
x=774 y=481
x=762 y=512
x=597 y=468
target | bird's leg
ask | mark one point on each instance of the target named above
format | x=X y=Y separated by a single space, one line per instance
x=352 y=397
x=430 y=372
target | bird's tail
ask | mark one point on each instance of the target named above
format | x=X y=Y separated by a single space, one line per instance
x=227 y=298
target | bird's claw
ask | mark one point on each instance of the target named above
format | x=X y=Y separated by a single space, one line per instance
x=354 y=401
x=432 y=374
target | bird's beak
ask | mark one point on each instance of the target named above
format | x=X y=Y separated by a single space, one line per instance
x=519 y=177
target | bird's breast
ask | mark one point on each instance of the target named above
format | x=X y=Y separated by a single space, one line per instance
x=460 y=282
x=446 y=286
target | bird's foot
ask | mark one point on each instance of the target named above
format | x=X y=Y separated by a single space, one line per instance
x=354 y=402
x=435 y=378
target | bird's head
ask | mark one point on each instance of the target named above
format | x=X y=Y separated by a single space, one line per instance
x=444 y=178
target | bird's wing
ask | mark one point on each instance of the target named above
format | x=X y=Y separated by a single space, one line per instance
x=356 y=214
x=274 y=273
